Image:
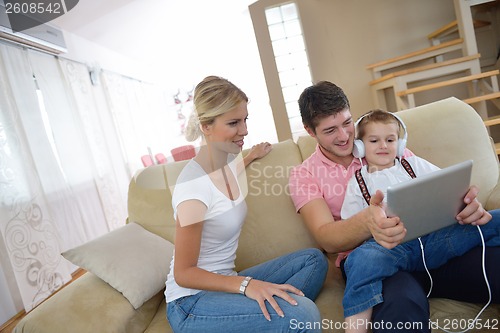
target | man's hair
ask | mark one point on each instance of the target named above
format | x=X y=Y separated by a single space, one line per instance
x=319 y=101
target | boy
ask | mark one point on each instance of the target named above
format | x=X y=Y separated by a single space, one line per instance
x=379 y=142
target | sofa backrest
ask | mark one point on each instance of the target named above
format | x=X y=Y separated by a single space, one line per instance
x=272 y=226
x=445 y=132
x=450 y=131
x=150 y=199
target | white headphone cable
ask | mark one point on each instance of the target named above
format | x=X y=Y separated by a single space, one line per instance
x=473 y=323
x=425 y=266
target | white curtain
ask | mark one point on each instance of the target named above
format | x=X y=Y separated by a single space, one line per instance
x=28 y=222
x=68 y=148
x=103 y=157
x=124 y=102
x=144 y=116
x=63 y=180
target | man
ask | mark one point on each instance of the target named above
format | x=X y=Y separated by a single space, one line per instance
x=317 y=188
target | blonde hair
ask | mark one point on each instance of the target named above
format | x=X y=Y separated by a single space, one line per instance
x=213 y=96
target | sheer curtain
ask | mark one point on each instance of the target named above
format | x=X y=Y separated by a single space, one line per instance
x=63 y=179
x=103 y=157
x=124 y=97
x=28 y=222
x=68 y=148
x=144 y=116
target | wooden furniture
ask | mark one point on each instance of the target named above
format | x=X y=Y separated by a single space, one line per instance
x=430 y=68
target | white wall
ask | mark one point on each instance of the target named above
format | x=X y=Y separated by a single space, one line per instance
x=181 y=48
x=344 y=37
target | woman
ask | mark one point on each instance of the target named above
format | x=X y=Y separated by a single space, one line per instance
x=204 y=293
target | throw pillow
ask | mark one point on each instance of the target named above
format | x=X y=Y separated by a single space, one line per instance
x=131 y=259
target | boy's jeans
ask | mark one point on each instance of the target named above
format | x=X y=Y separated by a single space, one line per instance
x=370 y=263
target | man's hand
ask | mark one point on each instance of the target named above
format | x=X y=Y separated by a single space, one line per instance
x=387 y=231
x=473 y=213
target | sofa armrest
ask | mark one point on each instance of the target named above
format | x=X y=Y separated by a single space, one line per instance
x=493 y=201
x=89 y=305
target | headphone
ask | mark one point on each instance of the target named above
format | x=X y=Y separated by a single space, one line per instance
x=359 y=147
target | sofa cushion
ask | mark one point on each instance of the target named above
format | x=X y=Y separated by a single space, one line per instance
x=89 y=305
x=150 y=198
x=160 y=324
x=307 y=145
x=131 y=259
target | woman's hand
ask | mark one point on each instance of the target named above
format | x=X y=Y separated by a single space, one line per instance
x=260 y=150
x=262 y=291
x=257 y=151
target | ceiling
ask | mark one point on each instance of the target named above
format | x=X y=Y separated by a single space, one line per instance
x=138 y=27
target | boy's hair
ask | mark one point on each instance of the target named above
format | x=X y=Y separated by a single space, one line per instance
x=375 y=116
x=320 y=101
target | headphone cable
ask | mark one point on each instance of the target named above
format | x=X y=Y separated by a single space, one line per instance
x=473 y=323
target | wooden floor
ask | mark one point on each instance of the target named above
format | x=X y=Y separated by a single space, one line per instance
x=8 y=327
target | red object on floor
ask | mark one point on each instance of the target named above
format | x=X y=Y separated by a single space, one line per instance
x=146 y=160
x=183 y=153
x=160 y=158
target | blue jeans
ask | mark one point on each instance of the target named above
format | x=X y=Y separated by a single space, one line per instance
x=210 y=311
x=370 y=263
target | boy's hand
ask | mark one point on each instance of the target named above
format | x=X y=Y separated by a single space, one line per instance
x=387 y=231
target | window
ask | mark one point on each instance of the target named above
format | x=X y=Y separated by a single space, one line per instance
x=47 y=126
x=290 y=57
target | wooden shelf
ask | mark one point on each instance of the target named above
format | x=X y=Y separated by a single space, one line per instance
x=448 y=83
x=481 y=98
x=430 y=49
x=492 y=121
x=453 y=27
x=497 y=148
x=424 y=68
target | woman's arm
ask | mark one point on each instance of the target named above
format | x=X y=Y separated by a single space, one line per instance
x=258 y=151
x=187 y=274
x=188 y=232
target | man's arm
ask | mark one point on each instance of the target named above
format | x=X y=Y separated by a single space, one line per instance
x=333 y=236
x=338 y=236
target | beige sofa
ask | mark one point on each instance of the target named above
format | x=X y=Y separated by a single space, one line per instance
x=444 y=132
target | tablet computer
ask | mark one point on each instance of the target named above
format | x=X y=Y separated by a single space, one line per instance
x=430 y=202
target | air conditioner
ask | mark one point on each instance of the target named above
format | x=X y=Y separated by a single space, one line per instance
x=43 y=37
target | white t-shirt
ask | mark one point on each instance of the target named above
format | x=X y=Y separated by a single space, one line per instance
x=221 y=227
x=354 y=201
